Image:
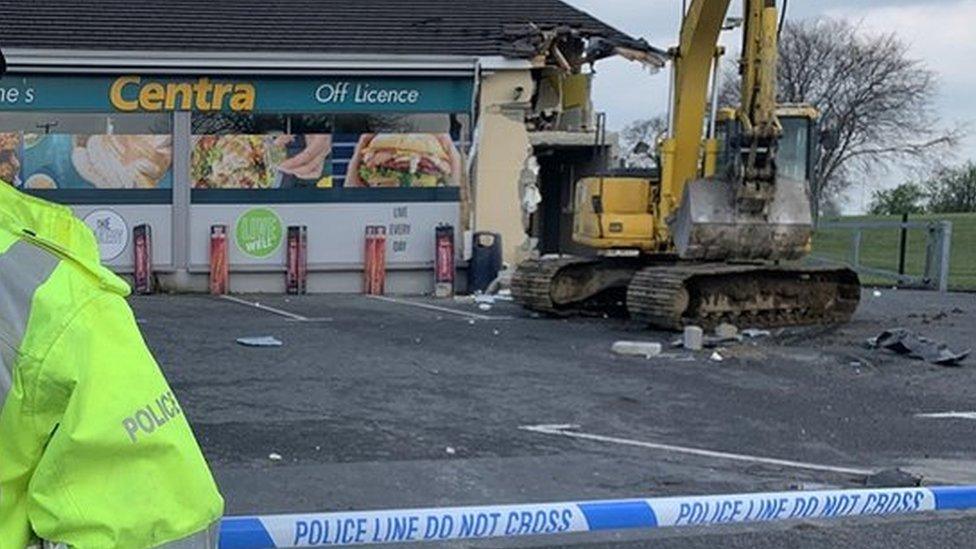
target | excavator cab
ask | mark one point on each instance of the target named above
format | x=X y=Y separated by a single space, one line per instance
x=798 y=146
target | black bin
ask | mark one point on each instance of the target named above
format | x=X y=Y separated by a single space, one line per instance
x=486 y=261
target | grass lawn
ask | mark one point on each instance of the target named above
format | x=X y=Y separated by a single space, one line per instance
x=879 y=247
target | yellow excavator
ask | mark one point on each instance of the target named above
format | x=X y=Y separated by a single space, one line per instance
x=716 y=234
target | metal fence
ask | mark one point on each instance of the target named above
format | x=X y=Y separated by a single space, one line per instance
x=938 y=250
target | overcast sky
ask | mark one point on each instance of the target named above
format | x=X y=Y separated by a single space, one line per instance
x=940 y=32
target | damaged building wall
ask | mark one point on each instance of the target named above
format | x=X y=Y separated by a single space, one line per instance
x=503 y=153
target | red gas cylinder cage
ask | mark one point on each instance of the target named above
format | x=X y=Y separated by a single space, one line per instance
x=296 y=276
x=444 y=261
x=219 y=265
x=142 y=260
x=375 y=264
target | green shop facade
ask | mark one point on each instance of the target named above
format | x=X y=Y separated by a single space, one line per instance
x=181 y=147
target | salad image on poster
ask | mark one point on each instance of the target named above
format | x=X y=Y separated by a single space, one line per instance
x=419 y=160
x=261 y=161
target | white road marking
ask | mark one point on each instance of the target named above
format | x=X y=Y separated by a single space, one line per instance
x=570 y=431
x=949 y=415
x=428 y=306
x=279 y=312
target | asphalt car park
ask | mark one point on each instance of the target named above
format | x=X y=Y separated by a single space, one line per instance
x=389 y=403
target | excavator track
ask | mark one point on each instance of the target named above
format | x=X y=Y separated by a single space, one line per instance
x=709 y=294
x=567 y=285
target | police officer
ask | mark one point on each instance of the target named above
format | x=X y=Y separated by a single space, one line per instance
x=95 y=451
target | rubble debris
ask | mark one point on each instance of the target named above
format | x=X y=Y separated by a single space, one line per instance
x=906 y=342
x=644 y=349
x=726 y=331
x=262 y=341
x=755 y=333
x=716 y=357
x=893 y=478
x=693 y=338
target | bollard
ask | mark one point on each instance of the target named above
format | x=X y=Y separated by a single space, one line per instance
x=142 y=249
x=296 y=275
x=219 y=267
x=375 y=271
x=444 y=261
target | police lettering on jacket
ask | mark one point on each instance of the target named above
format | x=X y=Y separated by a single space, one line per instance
x=152 y=416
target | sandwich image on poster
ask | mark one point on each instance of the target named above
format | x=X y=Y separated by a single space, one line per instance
x=404 y=160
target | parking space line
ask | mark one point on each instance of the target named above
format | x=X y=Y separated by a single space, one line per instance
x=465 y=314
x=948 y=415
x=570 y=431
x=273 y=310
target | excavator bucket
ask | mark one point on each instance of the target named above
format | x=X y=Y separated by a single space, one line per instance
x=709 y=226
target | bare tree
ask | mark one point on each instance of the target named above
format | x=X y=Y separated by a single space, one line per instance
x=645 y=131
x=875 y=101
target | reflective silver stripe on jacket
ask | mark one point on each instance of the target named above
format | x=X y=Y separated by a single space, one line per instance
x=207 y=539
x=23 y=268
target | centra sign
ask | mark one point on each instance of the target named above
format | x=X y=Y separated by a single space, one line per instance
x=133 y=93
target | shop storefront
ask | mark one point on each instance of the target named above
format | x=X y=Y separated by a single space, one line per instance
x=332 y=115
x=181 y=153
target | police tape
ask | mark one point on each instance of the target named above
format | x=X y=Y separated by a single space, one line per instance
x=495 y=521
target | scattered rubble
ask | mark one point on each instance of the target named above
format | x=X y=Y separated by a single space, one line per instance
x=893 y=478
x=716 y=357
x=726 y=331
x=694 y=338
x=905 y=342
x=262 y=341
x=637 y=348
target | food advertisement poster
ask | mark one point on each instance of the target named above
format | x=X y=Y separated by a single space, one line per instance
x=405 y=160
x=66 y=161
x=261 y=161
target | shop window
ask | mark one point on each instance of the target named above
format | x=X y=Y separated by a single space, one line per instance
x=86 y=152
x=261 y=151
x=309 y=153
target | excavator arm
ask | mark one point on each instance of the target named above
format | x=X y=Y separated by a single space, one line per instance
x=749 y=212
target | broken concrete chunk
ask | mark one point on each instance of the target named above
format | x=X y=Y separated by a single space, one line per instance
x=636 y=348
x=716 y=357
x=694 y=338
x=910 y=344
x=893 y=478
x=726 y=331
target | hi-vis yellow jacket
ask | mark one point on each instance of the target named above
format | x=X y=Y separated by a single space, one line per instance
x=95 y=452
